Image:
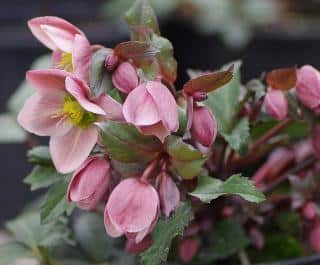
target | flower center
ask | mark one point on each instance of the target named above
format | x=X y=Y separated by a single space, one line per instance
x=77 y=115
x=65 y=62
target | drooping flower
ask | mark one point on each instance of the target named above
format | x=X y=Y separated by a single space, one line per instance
x=204 y=126
x=276 y=104
x=152 y=108
x=125 y=77
x=71 y=48
x=62 y=108
x=89 y=183
x=132 y=209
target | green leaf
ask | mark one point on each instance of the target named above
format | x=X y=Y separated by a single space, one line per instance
x=10 y=131
x=227 y=239
x=142 y=14
x=10 y=252
x=42 y=177
x=126 y=144
x=56 y=203
x=209 y=189
x=40 y=155
x=164 y=232
x=185 y=159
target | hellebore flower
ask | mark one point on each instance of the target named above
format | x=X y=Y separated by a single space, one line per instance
x=62 y=108
x=152 y=108
x=71 y=49
x=89 y=183
x=169 y=194
x=132 y=209
x=276 y=104
x=308 y=87
x=204 y=126
x=125 y=77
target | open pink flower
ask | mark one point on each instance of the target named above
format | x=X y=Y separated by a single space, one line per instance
x=71 y=49
x=89 y=183
x=62 y=108
x=132 y=209
x=276 y=104
x=152 y=108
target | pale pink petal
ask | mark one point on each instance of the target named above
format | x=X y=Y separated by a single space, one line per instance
x=139 y=107
x=169 y=195
x=142 y=234
x=111 y=107
x=276 y=104
x=41 y=115
x=128 y=208
x=157 y=129
x=80 y=91
x=125 y=77
x=112 y=230
x=166 y=105
x=56 y=58
x=71 y=150
x=36 y=24
x=81 y=57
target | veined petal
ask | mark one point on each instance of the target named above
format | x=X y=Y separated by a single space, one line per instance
x=112 y=230
x=111 y=107
x=81 y=56
x=71 y=150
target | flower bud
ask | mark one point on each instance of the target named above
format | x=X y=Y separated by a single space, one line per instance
x=204 y=126
x=314 y=238
x=276 y=104
x=89 y=183
x=125 y=77
x=309 y=211
x=111 y=62
x=256 y=237
x=200 y=96
x=187 y=249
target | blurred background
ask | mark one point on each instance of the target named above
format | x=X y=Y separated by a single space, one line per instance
x=264 y=34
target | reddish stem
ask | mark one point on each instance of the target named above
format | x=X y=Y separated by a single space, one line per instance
x=149 y=169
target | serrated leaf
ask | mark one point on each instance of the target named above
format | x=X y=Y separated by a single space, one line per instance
x=10 y=252
x=164 y=232
x=40 y=155
x=283 y=78
x=209 y=189
x=42 y=177
x=126 y=144
x=10 y=131
x=56 y=203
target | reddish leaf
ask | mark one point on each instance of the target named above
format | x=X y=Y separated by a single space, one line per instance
x=208 y=82
x=283 y=78
x=135 y=50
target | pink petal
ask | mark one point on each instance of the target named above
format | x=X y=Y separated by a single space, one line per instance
x=276 y=104
x=125 y=77
x=187 y=249
x=157 y=129
x=136 y=248
x=111 y=107
x=139 y=107
x=166 y=105
x=81 y=57
x=80 y=91
x=71 y=150
x=47 y=80
x=112 y=230
x=128 y=208
x=41 y=115
x=67 y=29
x=143 y=233
x=169 y=195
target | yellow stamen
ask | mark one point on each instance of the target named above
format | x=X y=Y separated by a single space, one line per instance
x=65 y=62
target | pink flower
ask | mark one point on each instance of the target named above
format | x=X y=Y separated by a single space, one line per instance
x=152 y=108
x=125 y=77
x=187 y=249
x=135 y=248
x=314 y=238
x=204 y=126
x=309 y=211
x=62 y=108
x=169 y=194
x=132 y=209
x=316 y=142
x=276 y=104
x=308 y=87
x=89 y=183
x=72 y=51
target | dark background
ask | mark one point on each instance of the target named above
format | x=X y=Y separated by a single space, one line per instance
x=267 y=50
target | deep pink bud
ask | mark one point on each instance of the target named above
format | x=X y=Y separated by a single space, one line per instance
x=111 y=62
x=125 y=77
x=89 y=183
x=276 y=104
x=132 y=209
x=308 y=86
x=187 y=249
x=135 y=248
x=309 y=211
x=314 y=238
x=204 y=126
x=200 y=96
x=256 y=237
x=169 y=194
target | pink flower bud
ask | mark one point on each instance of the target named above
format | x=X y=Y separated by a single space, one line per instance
x=308 y=86
x=276 y=104
x=135 y=248
x=89 y=183
x=111 y=62
x=169 y=194
x=309 y=211
x=125 y=77
x=314 y=238
x=316 y=142
x=187 y=249
x=132 y=209
x=204 y=126
x=302 y=150
x=200 y=96
x=256 y=237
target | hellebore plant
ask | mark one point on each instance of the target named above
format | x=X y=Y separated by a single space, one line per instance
x=145 y=159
